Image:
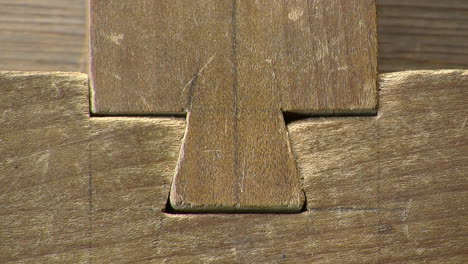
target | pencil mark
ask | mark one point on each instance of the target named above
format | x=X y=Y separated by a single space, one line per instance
x=235 y=92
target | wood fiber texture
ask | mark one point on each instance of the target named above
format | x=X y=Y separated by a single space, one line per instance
x=45 y=35
x=385 y=189
x=58 y=167
x=217 y=61
x=43 y=168
x=422 y=34
x=413 y=34
x=178 y=56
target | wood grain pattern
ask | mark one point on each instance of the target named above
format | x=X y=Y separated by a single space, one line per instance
x=422 y=34
x=385 y=189
x=49 y=35
x=217 y=61
x=51 y=152
x=169 y=59
x=44 y=134
x=418 y=138
x=413 y=34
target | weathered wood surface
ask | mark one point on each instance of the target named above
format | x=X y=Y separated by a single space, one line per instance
x=217 y=61
x=176 y=56
x=385 y=189
x=58 y=167
x=413 y=34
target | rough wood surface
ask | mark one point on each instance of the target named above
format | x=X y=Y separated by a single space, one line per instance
x=58 y=167
x=385 y=189
x=44 y=131
x=413 y=34
x=217 y=61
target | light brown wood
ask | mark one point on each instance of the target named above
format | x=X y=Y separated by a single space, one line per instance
x=217 y=60
x=45 y=35
x=385 y=189
x=415 y=146
x=44 y=136
x=58 y=167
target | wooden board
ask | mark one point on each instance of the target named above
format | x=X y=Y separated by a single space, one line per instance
x=46 y=35
x=385 y=189
x=217 y=61
x=413 y=34
x=171 y=57
x=44 y=137
x=422 y=34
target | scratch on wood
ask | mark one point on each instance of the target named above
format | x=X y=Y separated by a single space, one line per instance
x=199 y=72
x=19 y=158
x=193 y=82
x=463 y=126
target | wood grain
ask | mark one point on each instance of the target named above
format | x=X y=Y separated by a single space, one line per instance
x=413 y=34
x=422 y=34
x=44 y=133
x=51 y=152
x=385 y=189
x=169 y=59
x=217 y=61
x=49 y=35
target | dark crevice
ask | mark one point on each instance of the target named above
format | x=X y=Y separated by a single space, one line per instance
x=304 y=206
x=291 y=116
x=168 y=209
x=133 y=115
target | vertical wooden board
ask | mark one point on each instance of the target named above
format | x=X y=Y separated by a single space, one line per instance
x=145 y=64
x=232 y=86
x=270 y=180
x=413 y=35
x=205 y=175
x=313 y=55
x=44 y=168
x=267 y=176
x=152 y=60
x=245 y=165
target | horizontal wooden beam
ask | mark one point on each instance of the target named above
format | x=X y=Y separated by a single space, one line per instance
x=389 y=188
